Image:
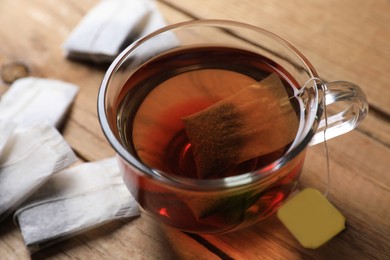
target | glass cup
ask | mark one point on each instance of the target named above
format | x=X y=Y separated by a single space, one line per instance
x=140 y=131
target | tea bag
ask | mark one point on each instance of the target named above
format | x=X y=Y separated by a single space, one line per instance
x=152 y=22
x=106 y=29
x=253 y=122
x=75 y=200
x=30 y=156
x=31 y=100
x=6 y=129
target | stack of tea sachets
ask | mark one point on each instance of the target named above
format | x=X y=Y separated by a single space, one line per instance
x=109 y=27
x=52 y=201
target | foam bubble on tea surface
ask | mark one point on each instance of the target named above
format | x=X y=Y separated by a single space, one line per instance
x=255 y=121
x=311 y=218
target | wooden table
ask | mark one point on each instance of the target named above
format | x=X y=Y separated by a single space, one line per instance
x=348 y=40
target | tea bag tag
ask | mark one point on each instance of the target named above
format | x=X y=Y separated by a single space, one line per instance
x=311 y=218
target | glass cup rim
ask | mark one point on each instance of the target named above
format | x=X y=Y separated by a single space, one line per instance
x=189 y=183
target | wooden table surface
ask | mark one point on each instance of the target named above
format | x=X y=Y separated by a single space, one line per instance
x=344 y=40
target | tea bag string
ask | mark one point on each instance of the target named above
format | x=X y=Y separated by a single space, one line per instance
x=324 y=89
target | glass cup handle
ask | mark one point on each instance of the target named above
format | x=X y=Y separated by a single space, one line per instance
x=355 y=108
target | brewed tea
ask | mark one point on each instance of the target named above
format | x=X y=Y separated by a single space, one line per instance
x=151 y=108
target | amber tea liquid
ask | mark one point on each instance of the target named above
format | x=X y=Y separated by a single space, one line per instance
x=150 y=110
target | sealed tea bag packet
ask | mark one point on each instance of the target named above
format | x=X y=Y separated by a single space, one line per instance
x=253 y=122
x=31 y=155
x=109 y=27
x=6 y=129
x=154 y=21
x=75 y=200
x=31 y=100
x=102 y=32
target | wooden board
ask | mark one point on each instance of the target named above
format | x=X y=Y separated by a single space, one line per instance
x=343 y=39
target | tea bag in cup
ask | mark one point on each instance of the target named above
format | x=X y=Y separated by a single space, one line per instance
x=107 y=29
x=75 y=200
x=253 y=122
x=32 y=154
x=31 y=100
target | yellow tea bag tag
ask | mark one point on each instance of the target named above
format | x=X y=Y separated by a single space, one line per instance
x=311 y=218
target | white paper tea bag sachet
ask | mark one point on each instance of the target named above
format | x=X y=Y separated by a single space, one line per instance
x=6 y=129
x=255 y=121
x=75 y=200
x=153 y=21
x=30 y=156
x=31 y=100
x=107 y=28
x=163 y=42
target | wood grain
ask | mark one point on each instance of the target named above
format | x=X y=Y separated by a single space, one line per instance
x=35 y=37
x=350 y=187
x=358 y=188
x=345 y=40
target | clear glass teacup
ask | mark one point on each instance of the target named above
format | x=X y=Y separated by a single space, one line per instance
x=188 y=67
